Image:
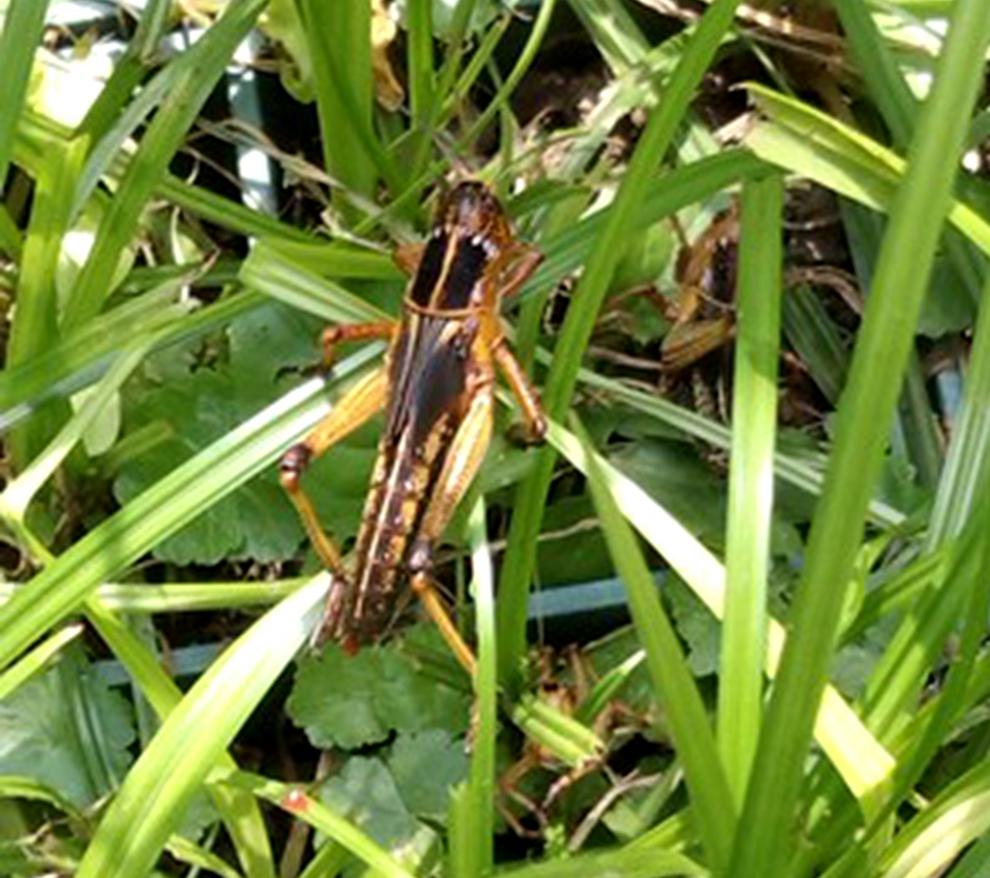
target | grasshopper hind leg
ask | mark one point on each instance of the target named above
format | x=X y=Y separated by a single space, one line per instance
x=362 y=401
x=467 y=450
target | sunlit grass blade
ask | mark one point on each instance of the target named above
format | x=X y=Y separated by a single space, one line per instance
x=35 y=325
x=23 y=23
x=159 y=511
x=150 y=804
x=750 y=515
x=673 y=682
x=298 y=803
x=808 y=142
x=36 y=659
x=865 y=766
x=239 y=811
x=144 y=172
x=471 y=852
x=861 y=434
x=520 y=557
x=626 y=862
x=954 y=819
x=184 y=597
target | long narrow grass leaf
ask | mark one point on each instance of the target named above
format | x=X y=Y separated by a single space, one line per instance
x=145 y=170
x=480 y=799
x=672 y=681
x=608 y=248
x=22 y=26
x=863 y=420
x=750 y=516
x=239 y=811
x=159 y=511
x=298 y=803
x=151 y=802
x=864 y=764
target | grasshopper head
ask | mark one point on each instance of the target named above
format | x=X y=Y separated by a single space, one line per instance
x=471 y=209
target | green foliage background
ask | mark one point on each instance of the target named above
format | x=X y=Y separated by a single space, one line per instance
x=806 y=692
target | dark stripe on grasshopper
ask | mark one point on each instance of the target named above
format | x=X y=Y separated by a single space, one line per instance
x=465 y=273
x=430 y=267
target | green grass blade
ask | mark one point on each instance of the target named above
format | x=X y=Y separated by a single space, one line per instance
x=968 y=458
x=472 y=852
x=750 y=515
x=151 y=802
x=36 y=659
x=35 y=325
x=673 y=682
x=628 y=862
x=339 y=40
x=954 y=819
x=268 y=270
x=976 y=863
x=878 y=67
x=419 y=58
x=239 y=811
x=520 y=558
x=864 y=764
x=128 y=72
x=296 y=802
x=183 y=597
x=110 y=143
x=810 y=143
x=159 y=511
x=144 y=172
x=864 y=417
x=23 y=23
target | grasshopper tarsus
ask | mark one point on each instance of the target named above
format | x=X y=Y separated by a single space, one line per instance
x=292 y=465
x=524 y=435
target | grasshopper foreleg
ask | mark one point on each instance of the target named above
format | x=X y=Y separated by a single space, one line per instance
x=344 y=332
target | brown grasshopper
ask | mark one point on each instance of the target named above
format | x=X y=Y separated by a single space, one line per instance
x=437 y=388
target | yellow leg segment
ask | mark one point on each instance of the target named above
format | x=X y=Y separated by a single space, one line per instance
x=335 y=335
x=357 y=406
x=467 y=450
x=524 y=392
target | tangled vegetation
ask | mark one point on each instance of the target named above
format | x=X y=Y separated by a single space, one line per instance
x=730 y=618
